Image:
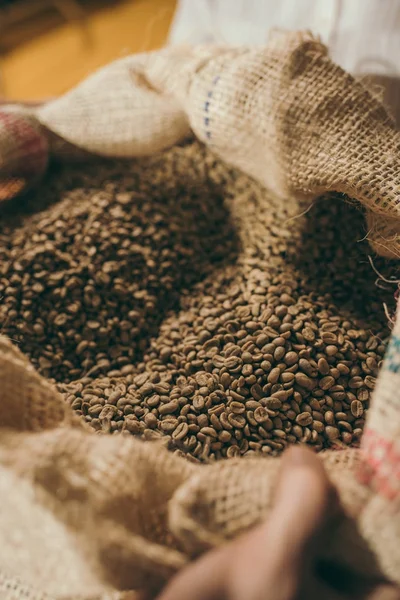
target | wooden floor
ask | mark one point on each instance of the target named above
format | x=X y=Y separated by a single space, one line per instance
x=51 y=63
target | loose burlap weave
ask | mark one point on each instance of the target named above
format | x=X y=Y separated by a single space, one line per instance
x=83 y=514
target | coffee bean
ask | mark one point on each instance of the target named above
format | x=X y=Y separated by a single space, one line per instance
x=357 y=408
x=237 y=420
x=308 y=334
x=168 y=408
x=332 y=433
x=331 y=350
x=371 y=363
x=304 y=419
x=370 y=382
x=169 y=425
x=286 y=299
x=151 y=420
x=329 y=417
x=356 y=383
x=155 y=315
x=261 y=415
x=281 y=395
x=304 y=381
x=328 y=337
x=326 y=382
x=133 y=425
x=224 y=436
x=233 y=451
x=363 y=395
x=287 y=377
x=237 y=407
x=344 y=425
x=347 y=437
x=341 y=416
x=318 y=426
x=209 y=431
x=310 y=368
x=279 y=353
x=291 y=358
x=274 y=375
x=202 y=420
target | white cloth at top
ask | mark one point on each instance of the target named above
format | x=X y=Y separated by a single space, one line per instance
x=363 y=35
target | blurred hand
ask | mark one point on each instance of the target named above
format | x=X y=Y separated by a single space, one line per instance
x=278 y=560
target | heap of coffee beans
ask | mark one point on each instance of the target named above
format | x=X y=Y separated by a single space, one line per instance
x=173 y=299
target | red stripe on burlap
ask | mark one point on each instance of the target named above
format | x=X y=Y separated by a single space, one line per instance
x=23 y=154
x=381 y=467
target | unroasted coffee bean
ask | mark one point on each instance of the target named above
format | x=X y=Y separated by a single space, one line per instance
x=332 y=433
x=180 y=431
x=304 y=419
x=329 y=417
x=151 y=420
x=274 y=375
x=355 y=383
x=233 y=451
x=308 y=334
x=261 y=415
x=273 y=403
x=326 y=382
x=363 y=395
x=169 y=425
x=291 y=358
x=209 y=431
x=309 y=367
x=168 y=408
x=224 y=436
x=237 y=420
x=318 y=426
x=357 y=409
x=164 y=300
x=370 y=382
x=331 y=350
x=304 y=381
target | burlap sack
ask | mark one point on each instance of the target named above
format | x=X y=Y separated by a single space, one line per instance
x=83 y=515
x=284 y=113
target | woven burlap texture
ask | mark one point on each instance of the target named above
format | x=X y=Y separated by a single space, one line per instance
x=283 y=113
x=84 y=514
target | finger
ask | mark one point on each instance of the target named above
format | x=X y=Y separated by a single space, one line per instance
x=206 y=579
x=275 y=556
x=303 y=501
x=265 y=563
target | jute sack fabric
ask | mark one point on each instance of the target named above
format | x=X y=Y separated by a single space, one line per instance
x=284 y=113
x=85 y=514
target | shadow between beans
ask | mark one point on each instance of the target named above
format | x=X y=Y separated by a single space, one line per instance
x=334 y=259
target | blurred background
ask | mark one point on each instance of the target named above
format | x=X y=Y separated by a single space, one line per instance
x=48 y=46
